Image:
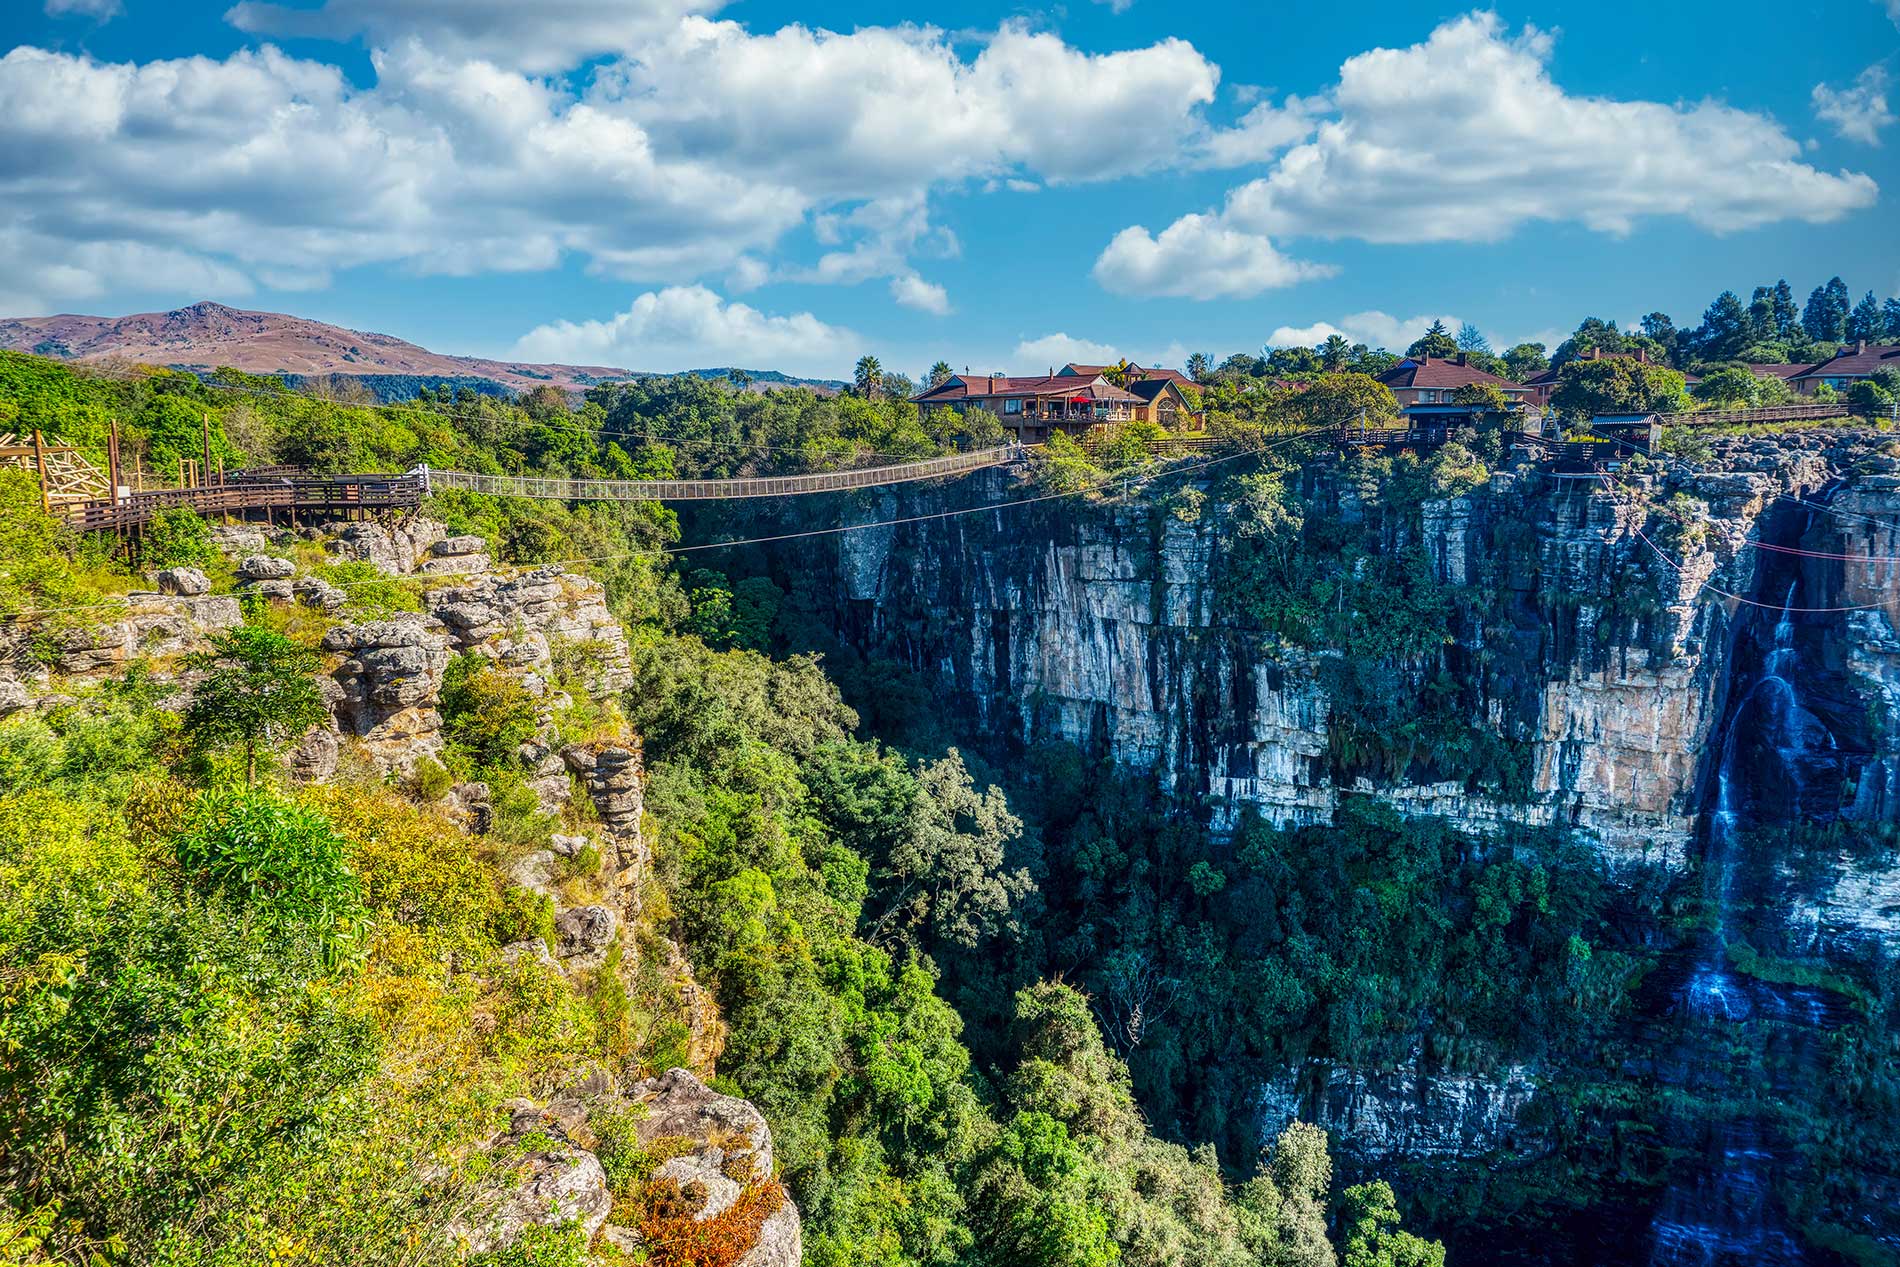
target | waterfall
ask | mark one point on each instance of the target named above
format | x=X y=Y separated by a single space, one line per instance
x=1723 y=1211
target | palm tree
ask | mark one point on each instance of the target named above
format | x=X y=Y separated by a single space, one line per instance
x=1333 y=353
x=869 y=377
x=940 y=373
x=1197 y=367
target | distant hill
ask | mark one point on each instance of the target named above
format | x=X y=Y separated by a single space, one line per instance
x=205 y=336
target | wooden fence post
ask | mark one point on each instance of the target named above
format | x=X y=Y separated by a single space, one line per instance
x=39 y=461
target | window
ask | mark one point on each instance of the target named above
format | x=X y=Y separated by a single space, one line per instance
x=1012 y=406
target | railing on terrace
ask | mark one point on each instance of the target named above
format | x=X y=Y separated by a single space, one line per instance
x=337 y=494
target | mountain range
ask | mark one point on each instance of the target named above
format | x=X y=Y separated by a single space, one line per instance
x=207 y=335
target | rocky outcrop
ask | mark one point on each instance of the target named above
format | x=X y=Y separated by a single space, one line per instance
x=387 y=687
x=722 y=1149
x=153 y=625
x=397 y=549
x=543 y=1179
x=529 y=620
x=1403 y=1115
x=453 y=555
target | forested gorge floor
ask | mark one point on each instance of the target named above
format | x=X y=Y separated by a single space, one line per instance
x=1000 y=1003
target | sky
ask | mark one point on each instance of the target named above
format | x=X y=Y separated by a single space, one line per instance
x=670 y=184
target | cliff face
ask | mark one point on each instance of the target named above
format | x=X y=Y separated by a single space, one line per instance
x=1582 y=631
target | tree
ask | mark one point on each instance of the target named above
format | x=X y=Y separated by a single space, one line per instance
x=1890 y=321
x=258 y=692
x=1619 y=384
x=1197 y=367
x=1487 y=402
x=1866 y=321
x=1525 y=361
x=940 y=373
x=1661 y=328
x=868 y=379
x=1471 y=339
x=1369 y=1227
x=1731 y=387
x=1787 y=316
x=1725 y=329
x=1334 y=354
x=1436 y=341
x=1825 y=317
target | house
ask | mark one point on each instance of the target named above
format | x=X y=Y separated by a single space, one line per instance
x=1544 y=385
x=1781 y=370
x=1032 y=408
x=1852 y=364
x=1426 y=387
x=1168 y=403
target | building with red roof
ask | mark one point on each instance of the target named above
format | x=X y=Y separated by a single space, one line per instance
x=1076 y=403
x=1853 y=363
x=1426 y=387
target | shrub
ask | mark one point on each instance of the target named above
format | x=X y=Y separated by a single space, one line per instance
x=277 y=858
x=485 y=712
x=522 y=915
x=177 y=537
x=259 y=694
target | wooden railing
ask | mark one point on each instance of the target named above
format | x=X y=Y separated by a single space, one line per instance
x=1743 y=417
x=337 y=494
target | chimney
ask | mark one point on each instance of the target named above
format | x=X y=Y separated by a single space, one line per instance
x=1642 y=356
x=1860 y=347
x=1463 y=358
x=1595 y=353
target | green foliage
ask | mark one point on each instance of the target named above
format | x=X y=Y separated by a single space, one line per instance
x=1369 y=1219
x=1619 y=384
x=486 y=712
x=178 y=537
x=258 y=692
x=561 y=1245
x=272 y=857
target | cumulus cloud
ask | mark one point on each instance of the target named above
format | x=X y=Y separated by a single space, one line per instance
x=706 y=148
x=263 y=162
x=913 y=291
x=1198 y=257
x=1053 y=351
x=547 y=35
x=1465 y=137
x=1374 y=329
x=690 y=327
x=1859 y=112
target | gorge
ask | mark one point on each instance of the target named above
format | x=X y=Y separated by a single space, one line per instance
x=1537 y=666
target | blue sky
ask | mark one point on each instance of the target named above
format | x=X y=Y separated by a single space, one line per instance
x=670 y=183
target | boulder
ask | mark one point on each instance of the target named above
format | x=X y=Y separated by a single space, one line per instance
x=13 y=696
x=265 y=567
x=271 y=590
x=314 y=592
x=187 y=581
x=586 y=934
x=238 y=539
x=526 y=620
x=463 y=545
x=542 y=1179
x=729 y=1151
x=457 y=565
x=314 y=758
x=391 y=549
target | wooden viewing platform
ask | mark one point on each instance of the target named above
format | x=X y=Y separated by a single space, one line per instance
x=333 y=496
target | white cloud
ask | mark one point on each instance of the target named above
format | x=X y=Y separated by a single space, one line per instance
x=1053 y=351
x=97 y=9
x=1198 y=257
x=1465 y=137
x=1262 y=132
x=1893 y=11
x=913 y=291
x=693 y=157
x=1373 y=328
x=690 y=327
x=547 y=35
x=1860 y=112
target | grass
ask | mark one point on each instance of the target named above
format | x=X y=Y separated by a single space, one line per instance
x=1750 y=962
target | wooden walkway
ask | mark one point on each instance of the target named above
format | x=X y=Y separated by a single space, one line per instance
x=570 y=490
x=320 y=496
x=1747 y=417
